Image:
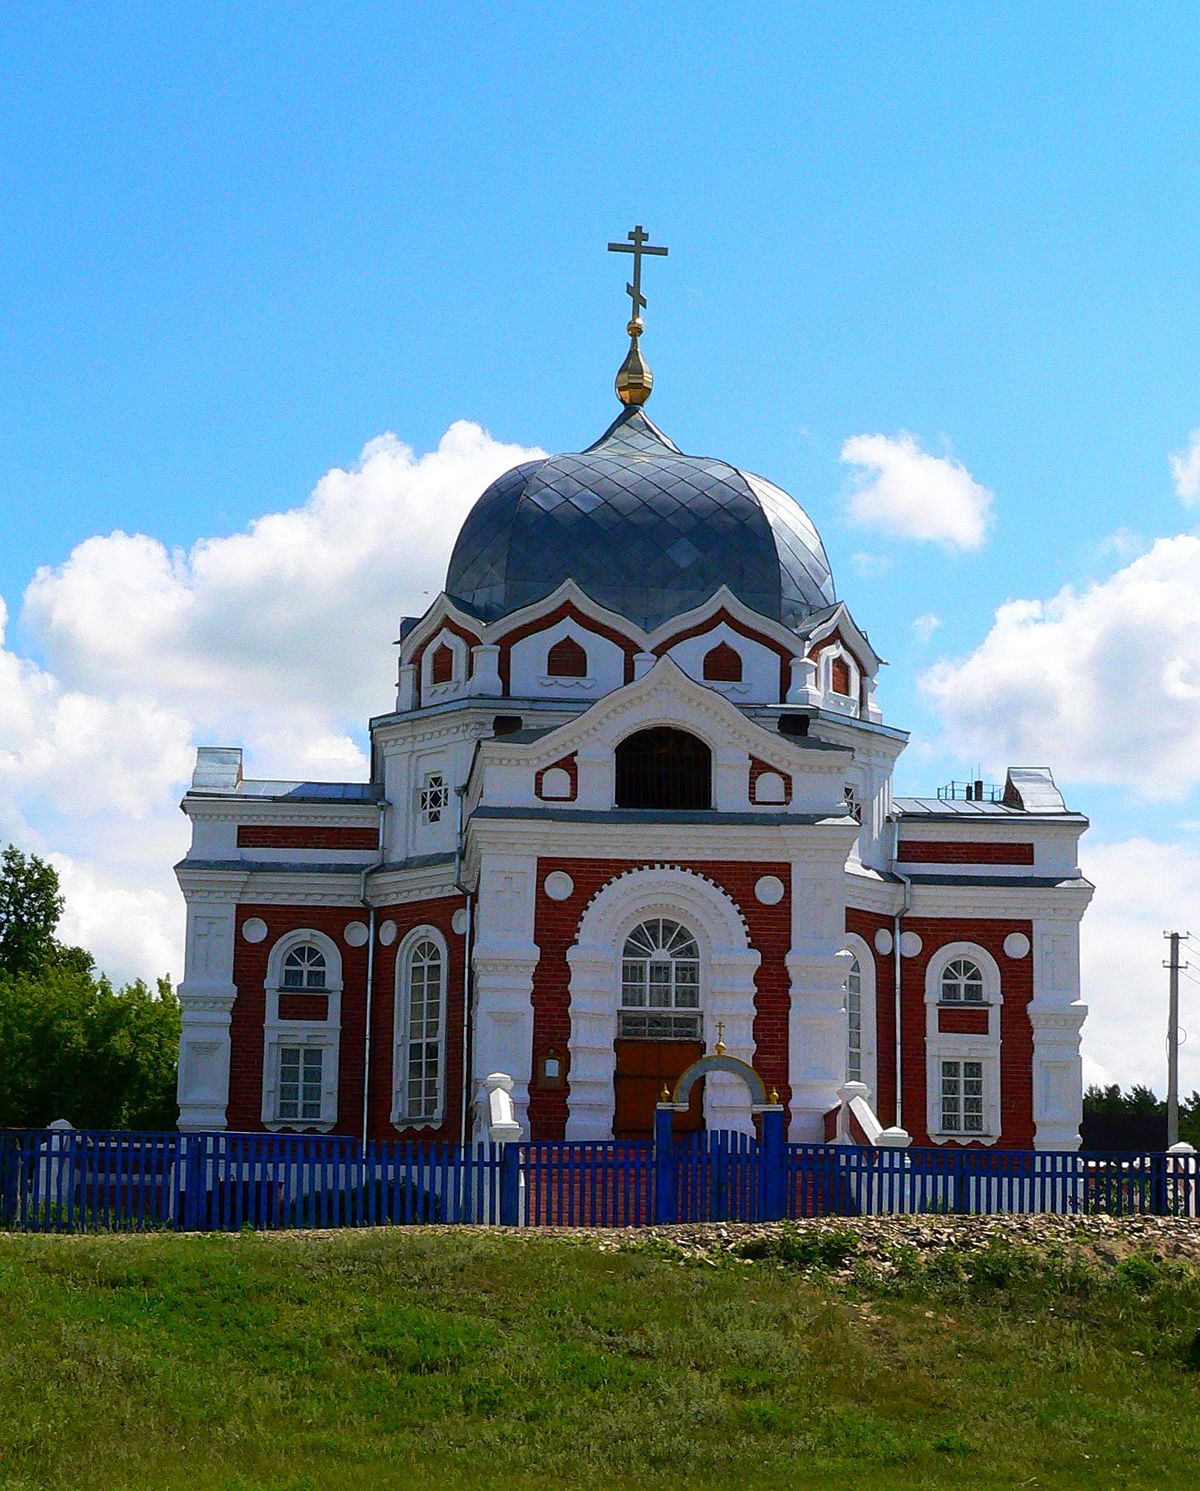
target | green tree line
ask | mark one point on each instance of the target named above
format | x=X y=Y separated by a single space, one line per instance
x=1115 y=1103
x=71 y=1045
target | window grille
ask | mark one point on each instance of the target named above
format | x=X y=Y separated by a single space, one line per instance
x=851 y=795
x=304 y=968
x=660 y=983
x=421 y=1057
x=435 y=798
x=663 y=768
x=962 y=1097
x=962 y=982
x=300 y=1083
x=566 y=659
x=854 y=1061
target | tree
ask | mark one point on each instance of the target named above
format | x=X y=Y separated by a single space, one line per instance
x=72 y=1046
x=1113 y=1102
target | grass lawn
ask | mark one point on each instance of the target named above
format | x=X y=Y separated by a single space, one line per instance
x=411 y=1358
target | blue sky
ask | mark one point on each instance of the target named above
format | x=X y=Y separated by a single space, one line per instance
x=241 y=242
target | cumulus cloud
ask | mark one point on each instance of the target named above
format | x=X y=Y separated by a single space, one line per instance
x=906 y=492
x=1104 y=682
x=1185 y=469
x=278 y=638
x=870 y=566
x=925 y=625
x=1143 y=888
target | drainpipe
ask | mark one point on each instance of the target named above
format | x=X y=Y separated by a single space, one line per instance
x=461 y=793
x=362 y=896
x=905 y=905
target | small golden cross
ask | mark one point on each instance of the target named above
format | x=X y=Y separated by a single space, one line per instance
x=639 y=244
x=720 y=1046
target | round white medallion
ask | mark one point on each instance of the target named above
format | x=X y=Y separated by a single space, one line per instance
x=910 y=944
x=254 y=929
x=883 y=942
x=769 y=890
x=356 y=934
x=559 y=885
x=459 y=920
x=387 y=933
x=1016 y=945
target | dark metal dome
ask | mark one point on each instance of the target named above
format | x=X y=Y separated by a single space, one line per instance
x=643 y=529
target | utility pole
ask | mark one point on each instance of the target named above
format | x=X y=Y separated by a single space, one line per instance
x=1173 y=1040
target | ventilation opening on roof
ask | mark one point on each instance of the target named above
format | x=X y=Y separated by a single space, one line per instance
x=506 y=724
x=664 y=768
x=793 y=724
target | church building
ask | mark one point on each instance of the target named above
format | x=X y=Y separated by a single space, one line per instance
x=633 y=797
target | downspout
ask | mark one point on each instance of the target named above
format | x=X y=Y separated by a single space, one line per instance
x=461 y=793
x=362 y=896
x=905 y=905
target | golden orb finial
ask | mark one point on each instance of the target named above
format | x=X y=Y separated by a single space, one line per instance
x=719 y=1048
x=635 y=380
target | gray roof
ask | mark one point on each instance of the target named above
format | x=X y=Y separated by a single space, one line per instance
x=955 y=810
x=643 y=529
x=298 y=791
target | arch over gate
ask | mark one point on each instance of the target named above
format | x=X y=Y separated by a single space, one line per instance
x=727 y=968
x=719 y=1062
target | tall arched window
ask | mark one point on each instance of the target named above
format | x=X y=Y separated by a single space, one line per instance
x=854 y=1041
x=663 y=768
x=962 y=982
x=722 y=664
x=441 y=665
x=566 y=659
x=660 y=983
x=420 y=1030
x=839 y=676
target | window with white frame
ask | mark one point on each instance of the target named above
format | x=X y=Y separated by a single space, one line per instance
x=434 y=797
x=852 y=800
x=660 y=983
x=854 y=1024
x=421 y=1019
x=962 y=982
x=962 y=1097
x=300 y=1082
x=304 y=968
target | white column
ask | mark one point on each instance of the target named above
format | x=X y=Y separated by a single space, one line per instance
x=485 y=671
x=206 y=998
x=504 y=962
x=1056 y=1014
x=730 y=999
x=803 y=689
x=817 y=966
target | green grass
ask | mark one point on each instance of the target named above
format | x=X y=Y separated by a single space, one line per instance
x=412 y=1358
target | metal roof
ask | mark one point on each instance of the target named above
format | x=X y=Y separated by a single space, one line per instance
x=953 y=809
x=298 y=791
x=644 y=529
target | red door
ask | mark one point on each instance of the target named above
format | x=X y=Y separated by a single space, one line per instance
x=643 y=1067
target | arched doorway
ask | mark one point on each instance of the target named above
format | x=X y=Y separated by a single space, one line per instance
x=659 y=1026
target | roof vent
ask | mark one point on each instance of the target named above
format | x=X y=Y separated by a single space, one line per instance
x=507 y=724
x=793 y=724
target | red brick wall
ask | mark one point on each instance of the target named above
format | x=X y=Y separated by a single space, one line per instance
x=304 y=1006
x=948 y=852
x=953 y=1021
x=249 y=1012
x=555 y=928
x=304 y=836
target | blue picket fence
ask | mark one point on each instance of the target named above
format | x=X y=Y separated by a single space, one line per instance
x=78 y=1180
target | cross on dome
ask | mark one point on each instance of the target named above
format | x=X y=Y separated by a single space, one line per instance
x=635 y=380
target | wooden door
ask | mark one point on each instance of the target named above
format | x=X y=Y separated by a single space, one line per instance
x=642 y=1069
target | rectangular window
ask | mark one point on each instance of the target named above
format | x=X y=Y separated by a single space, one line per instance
x=659 y=1025
x=421 y=1077
x=962 y=1097
x=300 y=1083
x=434 y=798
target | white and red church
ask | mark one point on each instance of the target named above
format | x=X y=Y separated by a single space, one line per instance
x=634 y=795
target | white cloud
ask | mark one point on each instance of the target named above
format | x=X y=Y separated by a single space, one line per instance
x=1143 y=888
x=1185 y=469
x=278 y=638
x=910 y=494
x=924 y=626
x=870 y=566
x=1104 y=683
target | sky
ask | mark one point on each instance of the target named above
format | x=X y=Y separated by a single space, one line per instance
x=283 y=288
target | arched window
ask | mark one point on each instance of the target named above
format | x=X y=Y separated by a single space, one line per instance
x=854 y=1022
x=723 y=664
x=441 y=665
x=962 y=982
x=420 y=1028
x=566 y=659
x=839 y=676
x=660 y=983
x=304 y=968
x=663 y=768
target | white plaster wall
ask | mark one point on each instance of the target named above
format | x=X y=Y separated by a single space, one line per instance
x=527 y=665
x=760 y=666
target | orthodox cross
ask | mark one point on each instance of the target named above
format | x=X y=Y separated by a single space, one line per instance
x=720 y=1046
x=639 y=244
